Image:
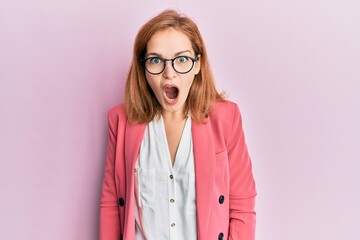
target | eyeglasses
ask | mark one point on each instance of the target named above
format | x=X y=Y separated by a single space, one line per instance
x=181 y=64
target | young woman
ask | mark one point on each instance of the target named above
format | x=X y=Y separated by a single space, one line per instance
x=177 y=166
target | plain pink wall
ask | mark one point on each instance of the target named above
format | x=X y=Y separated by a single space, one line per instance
x=292 y=66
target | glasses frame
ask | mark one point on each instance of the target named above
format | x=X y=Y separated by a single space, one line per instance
x=172 y=64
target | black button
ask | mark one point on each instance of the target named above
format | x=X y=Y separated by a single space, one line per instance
x=221 y=199
x=171 y=176
x=221 y=236
x=121 y=202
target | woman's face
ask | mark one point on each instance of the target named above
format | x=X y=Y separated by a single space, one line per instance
x=170 y=87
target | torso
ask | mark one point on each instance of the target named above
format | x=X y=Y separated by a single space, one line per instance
x=165 y=188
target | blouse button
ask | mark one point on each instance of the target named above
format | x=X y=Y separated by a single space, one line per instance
x=172 y=200
x=171 y=176
x=173 y=225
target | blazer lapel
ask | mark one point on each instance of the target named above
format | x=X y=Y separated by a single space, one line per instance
x=133 y=137
x=204 y=155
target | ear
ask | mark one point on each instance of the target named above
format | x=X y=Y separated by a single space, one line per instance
x=198 y=64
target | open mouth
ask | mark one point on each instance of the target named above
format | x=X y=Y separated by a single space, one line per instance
x=171 y=93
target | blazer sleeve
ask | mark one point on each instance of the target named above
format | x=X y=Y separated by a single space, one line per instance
x=242 y=184
x=109 y=228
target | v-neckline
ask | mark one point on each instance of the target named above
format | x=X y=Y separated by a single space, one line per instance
x=180 y=150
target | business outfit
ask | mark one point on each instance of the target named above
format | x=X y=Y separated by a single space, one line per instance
x=225 y=188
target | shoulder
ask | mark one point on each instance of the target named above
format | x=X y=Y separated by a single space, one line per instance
x=225 y=110
x=225 y=115
x=224 y=105
x=225 y=121
x=116 y=114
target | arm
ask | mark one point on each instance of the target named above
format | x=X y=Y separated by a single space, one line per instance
x=242 y=185
x=109 y=211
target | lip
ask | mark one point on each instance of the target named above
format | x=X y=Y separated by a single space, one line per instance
x=168 y=100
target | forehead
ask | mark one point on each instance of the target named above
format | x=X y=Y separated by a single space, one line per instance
x=168 y=41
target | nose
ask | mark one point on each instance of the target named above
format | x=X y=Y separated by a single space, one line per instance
x=169 y=71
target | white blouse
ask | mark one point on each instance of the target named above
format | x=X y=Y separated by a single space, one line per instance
x=165 y=194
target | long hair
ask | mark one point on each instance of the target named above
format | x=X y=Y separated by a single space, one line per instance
x=141 y=105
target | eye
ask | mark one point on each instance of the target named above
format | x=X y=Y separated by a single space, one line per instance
x=182 y=59
x=155 y=60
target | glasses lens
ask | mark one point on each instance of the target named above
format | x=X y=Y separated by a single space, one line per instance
x=154 y=65
x=183 y=64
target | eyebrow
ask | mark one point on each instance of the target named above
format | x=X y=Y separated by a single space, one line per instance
x=160 y=55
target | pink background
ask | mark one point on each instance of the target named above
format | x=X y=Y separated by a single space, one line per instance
x=292 y=66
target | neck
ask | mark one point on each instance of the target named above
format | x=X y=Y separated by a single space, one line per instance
x=177 y=116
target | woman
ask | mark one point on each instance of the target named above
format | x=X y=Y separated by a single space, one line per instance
x=177 y=166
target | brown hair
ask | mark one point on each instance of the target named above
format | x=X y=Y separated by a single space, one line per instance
x=141 y=105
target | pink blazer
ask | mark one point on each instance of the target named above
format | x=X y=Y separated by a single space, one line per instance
x=225 y=188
